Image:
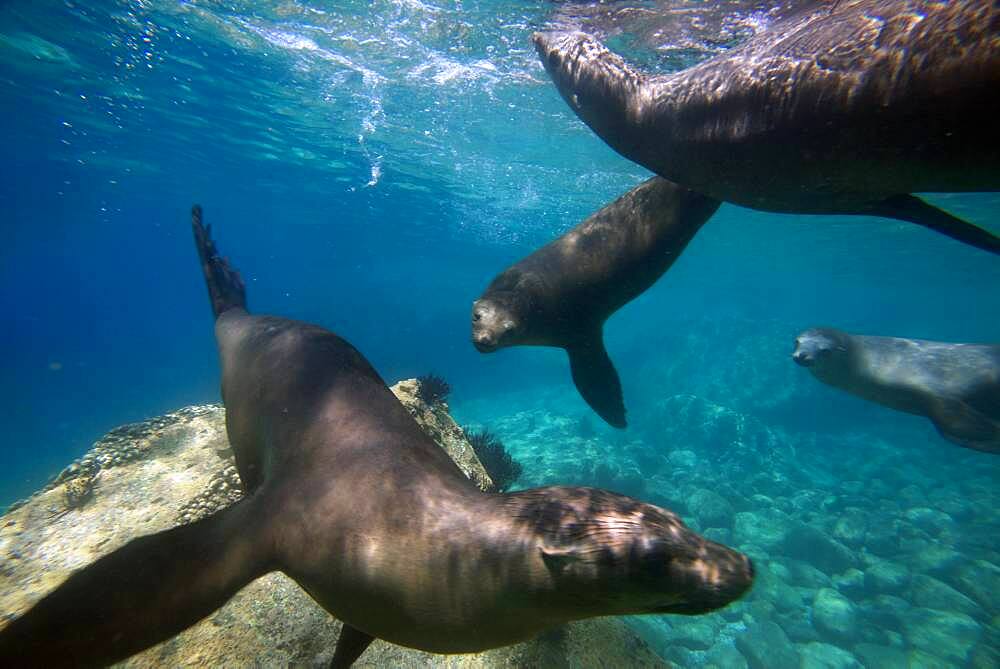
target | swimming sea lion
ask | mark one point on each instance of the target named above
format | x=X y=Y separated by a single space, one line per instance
x=561 y=294
x=349 y=497
x=957 y=386
x=835 y=109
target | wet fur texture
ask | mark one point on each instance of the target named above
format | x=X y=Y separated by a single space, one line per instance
x=562 y=294
x=956 y=386
x=349 y=497
x=825 y=112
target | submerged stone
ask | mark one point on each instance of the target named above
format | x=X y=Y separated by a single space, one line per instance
x=811 y=544
x=929 y=592
x=765 y=646
x=948 y=635
x=766 y=528
x=886 y=577
x=834 y=614
x=817 y=655
x=711 y=509
x=882 y=657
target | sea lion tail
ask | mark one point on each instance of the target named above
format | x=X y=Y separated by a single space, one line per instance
x=226 y=289
x=145 y=592
x=597 y=380
x=604 y=91
x=914 y=210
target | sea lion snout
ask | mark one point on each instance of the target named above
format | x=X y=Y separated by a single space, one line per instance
x=490 y=325
x=817 y=344
x=715 y=578
x=801 y=356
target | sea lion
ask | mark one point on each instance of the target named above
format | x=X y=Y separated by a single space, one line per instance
x=842 y=108
x=561 y=294
x=957 y=386
x=349 y=497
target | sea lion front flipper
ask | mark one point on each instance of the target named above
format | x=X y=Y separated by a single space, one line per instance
x=961 y=424
x=595 y=377
x=914 y=210
x=351 y=643
x=145 y=592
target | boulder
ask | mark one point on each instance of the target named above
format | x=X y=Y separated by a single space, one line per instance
x=834 y=615
x=711 y=509
x=810 y=544
x=947 y=635
x=816 y=655
x=765 y=645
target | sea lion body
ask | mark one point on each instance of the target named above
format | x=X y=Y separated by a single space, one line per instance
x=957 y=386
x=562 y=294
x=843 y=109
x=348 y=496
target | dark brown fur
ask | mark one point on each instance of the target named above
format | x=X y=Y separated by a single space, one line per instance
x=844 y=112
x=562 y=294
x=349 y=497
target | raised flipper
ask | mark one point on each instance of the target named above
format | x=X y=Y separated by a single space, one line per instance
x=141 y=594
x=913 y=209
x=350 y=645
x=225 y=285
x=961 y=424
x=595 y=377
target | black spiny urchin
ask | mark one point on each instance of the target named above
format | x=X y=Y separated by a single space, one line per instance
x=501 y=467
x=432 y=389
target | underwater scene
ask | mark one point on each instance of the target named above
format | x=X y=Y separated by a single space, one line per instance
x=611 y=257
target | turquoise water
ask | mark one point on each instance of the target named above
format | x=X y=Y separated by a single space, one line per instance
x=370 y=167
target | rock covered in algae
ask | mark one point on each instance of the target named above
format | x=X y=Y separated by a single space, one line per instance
x=147 y=477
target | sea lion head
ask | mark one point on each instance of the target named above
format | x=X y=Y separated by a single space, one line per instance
x=498 y=315
x=495 y=323
x=608 y=554
x=817 y=348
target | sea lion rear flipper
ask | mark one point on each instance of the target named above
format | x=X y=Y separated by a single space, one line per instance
x=226 y=289
x=351 y=643
x=141 y=594
x=914 y=210
x=595 y=377
x=961 y=424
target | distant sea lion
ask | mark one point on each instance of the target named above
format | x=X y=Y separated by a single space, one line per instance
x=349 y=497
x=957 y=386
x=561 y=294
x=837 y=108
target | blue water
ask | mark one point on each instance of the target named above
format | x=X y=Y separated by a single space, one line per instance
x=370 y=167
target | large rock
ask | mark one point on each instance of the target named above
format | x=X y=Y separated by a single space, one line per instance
x=150 y=476
x=834 y=615
x=711 y=509
x=882 y=657
x=766 y=528
x=887 y=577
x=945 y=634
x=808 y=543
x=929 y=592
x=980 y=581
x=765 y=645
x=816 y=655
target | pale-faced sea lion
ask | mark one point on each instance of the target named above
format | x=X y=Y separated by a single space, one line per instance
x=561 y=294
x=957 y=386
x=349 y=497
x=837 y=108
